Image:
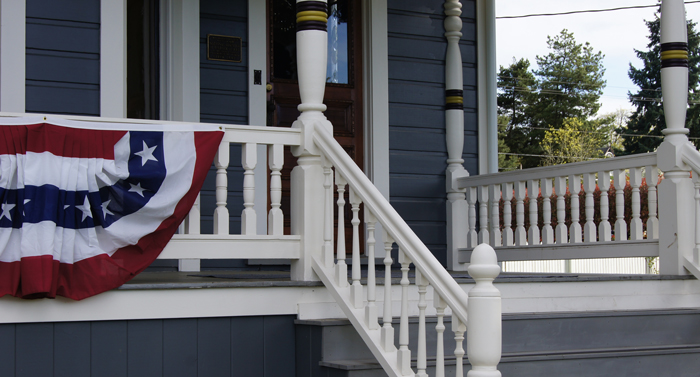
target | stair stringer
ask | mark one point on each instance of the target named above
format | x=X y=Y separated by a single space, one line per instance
x=372 y=338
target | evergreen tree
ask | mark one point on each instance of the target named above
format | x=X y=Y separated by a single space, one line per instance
x=517 y=92
x=648 y=117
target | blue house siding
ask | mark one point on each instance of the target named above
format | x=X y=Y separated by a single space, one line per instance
x=236 y=346
x=417 y=149
x=63 y=57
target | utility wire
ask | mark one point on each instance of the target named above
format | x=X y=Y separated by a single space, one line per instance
x=585 y=11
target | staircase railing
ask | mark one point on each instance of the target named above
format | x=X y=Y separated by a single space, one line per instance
x=483 y=310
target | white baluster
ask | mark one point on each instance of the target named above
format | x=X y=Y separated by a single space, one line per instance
x=533 y=234
x=327 y=213
x=604 y=228
x=495 y=198
x=652 y=221
x=520 y=233
x=440 y=306
x=620 y=180
x=387 y=337
x=547 y=230
x=356 y=290
x=561 y=233
x=696 y=249
x=249 y=158
x=422 y=362
x=574 y=190
x=404 y=354
x=221 y=212
x=458 y=328
x=636 y=231
x=507 y=214
x=275 y=219
x=192 y=221
x=589 y=231
x=472 y=236
x=371 y=309
x=483 y=214
x=341 y=268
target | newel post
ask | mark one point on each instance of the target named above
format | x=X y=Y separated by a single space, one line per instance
x=484 y=314
x=307 y=178
x=457 y=209
x=676 y=233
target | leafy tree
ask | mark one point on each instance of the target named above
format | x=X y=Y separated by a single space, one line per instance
x=576 y=141
x=506 y=161
x=648 y=117
x=518 y=86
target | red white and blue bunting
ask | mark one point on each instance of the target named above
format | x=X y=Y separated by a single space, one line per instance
x=86 y=206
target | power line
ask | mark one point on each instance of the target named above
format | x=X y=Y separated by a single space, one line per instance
x=586 y=11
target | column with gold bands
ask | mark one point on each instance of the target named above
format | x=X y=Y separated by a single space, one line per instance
x=312 y=15
x=674 y=54
x=454 y=99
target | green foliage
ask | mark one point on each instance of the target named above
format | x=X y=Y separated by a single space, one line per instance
x=576 y=141
x=648 y=117
x=506 y=161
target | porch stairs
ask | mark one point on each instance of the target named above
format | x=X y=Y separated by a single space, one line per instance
x=582 y=344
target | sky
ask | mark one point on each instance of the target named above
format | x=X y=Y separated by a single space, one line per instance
x=616 y=34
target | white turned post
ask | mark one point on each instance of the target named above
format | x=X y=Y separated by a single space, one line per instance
x=561 y=235
x=275 y=219
x=387 y=336
x=484 y=313
x=341 y=268
x=404 y=354
x=636 y=230
x=307 y=212
x=652 y=177
x=249 y=159
x=191 y=226
x=421 y=354
x=483 y=214
x=221 y=212
x=589 y=231
x=440 y=306
x=574 y=190
x=356 y=290
x=495 y=198
x=328 y=257
x=696 y=249
x=472 y=236
x=507 y=214
x=547 y=230
x=604 y=228
x=459 y=328
x=454 y=135
x=533 y=233
x=620 y=181
x=371 y=318
x=520 y=233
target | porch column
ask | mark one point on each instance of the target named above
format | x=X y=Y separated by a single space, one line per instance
x=307 y=211
x=457 y=210
x=676 y=233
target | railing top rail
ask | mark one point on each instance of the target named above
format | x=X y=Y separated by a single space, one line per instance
x=576 y=168
x=408 y=241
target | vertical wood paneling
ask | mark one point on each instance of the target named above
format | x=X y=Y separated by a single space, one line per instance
x=32 y=340
x=180 y=347
x=247 y=346
x=145 y=348
x=279 y=346
x=7 y=350
x=71 y=352
x=214 y=345
x=109 y=349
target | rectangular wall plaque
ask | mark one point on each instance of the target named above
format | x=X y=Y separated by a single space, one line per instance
x=224 y=48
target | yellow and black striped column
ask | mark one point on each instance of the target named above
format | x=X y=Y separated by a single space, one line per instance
x=312 y=15
x=454 y=99
x=674 y=54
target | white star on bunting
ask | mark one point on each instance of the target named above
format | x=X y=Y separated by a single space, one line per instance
x=137 y=188
x=147 y=154
x=106 y=211
x=6 y=208
x=85 y=207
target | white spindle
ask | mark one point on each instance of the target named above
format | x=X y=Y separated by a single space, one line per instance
x=620 y=179
x=356 y=290
x=696 y=249
x=387 y=337
x=547 y=230
x=652 y=175
x=507 y=214
x=440 y=306
x=533 y=234
x=328 y=213
x=341 y=268
x=404 y=354
x=574 y=190
x=275 y=219
x=561 y=233
x=472 y=236
x=458 y=328
x=422 y=362
x=221 y=212
x=495 y=198
x=483 y=214
x=604 y=228
x=371 y=308
x=589 y=231
x=636 y=232
x=249 y=159
x=520 y=233
x=192 y=221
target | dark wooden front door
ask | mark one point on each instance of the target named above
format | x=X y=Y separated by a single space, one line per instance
x=344 y=79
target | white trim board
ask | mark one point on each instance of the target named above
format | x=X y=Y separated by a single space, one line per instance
x=13 y=55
